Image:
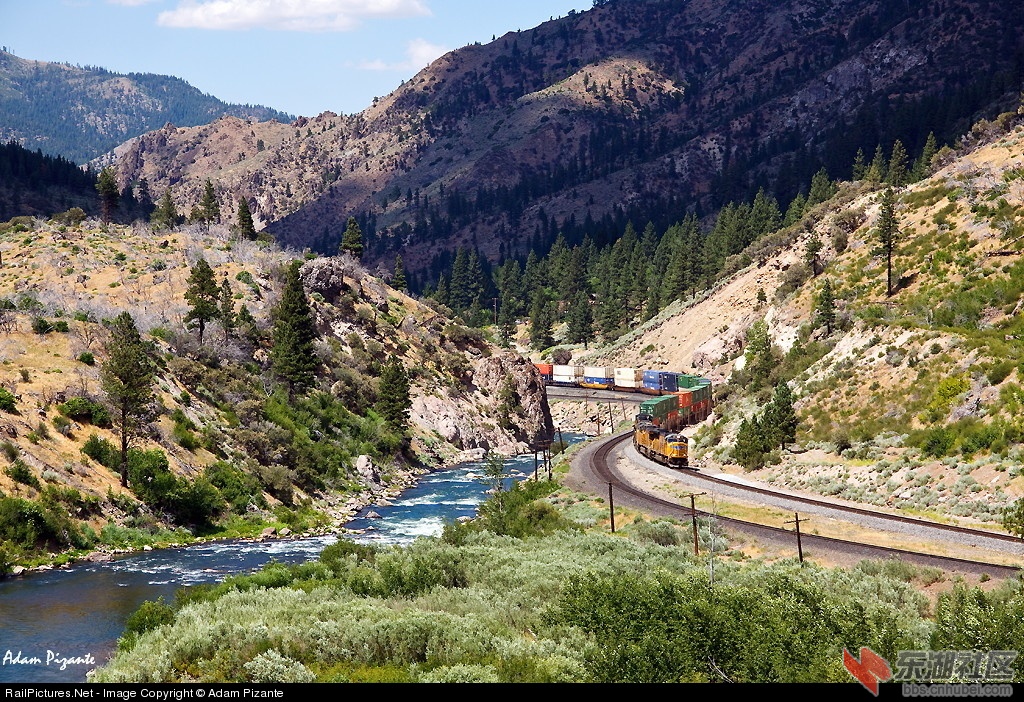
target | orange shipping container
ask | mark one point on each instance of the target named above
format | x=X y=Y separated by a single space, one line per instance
x=685 y=398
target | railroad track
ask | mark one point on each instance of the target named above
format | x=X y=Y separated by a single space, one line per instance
x=595 y=471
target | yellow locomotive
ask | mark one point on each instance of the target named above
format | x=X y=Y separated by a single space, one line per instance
x=661 y=445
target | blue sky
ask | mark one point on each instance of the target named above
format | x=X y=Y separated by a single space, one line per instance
x=299 y=56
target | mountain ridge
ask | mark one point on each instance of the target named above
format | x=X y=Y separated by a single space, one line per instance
x=82 y=112
x=623 y=110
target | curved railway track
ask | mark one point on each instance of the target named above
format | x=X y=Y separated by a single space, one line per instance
x=594 y=470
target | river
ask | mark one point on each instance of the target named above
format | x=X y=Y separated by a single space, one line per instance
x=57 y=625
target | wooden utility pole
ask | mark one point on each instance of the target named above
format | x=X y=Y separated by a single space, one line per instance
x=693 y=515
x=799 y=546
x=611 y=506
x=611 y=420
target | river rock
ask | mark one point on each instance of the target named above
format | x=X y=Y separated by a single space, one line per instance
x=368 y=473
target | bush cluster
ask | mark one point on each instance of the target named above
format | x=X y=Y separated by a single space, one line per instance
x=82 y=409
x=151 y=479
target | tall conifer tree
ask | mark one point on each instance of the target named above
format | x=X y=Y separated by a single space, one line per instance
x=106 y=186
x=292 y=356
x=246 y=228
x=127 y=379
x=203 y=295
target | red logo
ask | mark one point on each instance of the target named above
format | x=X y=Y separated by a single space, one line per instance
x=869 y=670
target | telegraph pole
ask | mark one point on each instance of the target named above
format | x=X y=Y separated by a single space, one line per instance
x=611 y=506
x=799 y=546
x=693 y=514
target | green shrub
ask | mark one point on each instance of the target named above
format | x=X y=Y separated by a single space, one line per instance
x=33 y=525
x=185 y=438
x=7 y=401
x=62 y=424
x=87 y=358
x=102 y=451
x=150 y=615
x=11 y=451
x=82 y=409
x=239 y=488
x=19 y=472
x=41 y=325
x=999 y=371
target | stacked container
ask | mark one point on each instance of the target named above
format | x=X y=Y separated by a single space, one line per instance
x=629 y=379
x=598 y=377
x=566 y=375
x=651 y=384
x=661 y=412
x=546 y=371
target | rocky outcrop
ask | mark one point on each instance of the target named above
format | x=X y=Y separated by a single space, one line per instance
x=505 y=410
x=528 y=408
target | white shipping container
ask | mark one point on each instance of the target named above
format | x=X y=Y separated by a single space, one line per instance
x=628 y=375
x=565 y=371
x=597 y=372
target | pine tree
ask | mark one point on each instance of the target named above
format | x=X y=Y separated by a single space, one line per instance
x=580 y=322
x=203 y=295
x=165 y=216
x=127 y=380
x=897 y=172
x=144 y=198
x=812 y=254
x=859 y=167
x=779 y=421
x=246 y=323
x=246 y=228
x=106 y=186
x=209 y=207
x=226 y=311
x=878 y=168
x=888 y=233
x=541 y=322
x=825 y=308
x=751 y=446
x=352 y=239
x=398 y=282
x=759 y=356
x=506 y=320
x=923 y=164
x=795 y=210
x=822 y=188
x=291 y=355
x=393 y=398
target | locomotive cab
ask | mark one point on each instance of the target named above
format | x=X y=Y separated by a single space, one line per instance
x=676 y=450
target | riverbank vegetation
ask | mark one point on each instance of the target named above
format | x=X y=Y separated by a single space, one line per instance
x=558 y=601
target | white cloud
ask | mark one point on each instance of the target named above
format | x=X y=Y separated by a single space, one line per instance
x=287 y=15
x=419 y=53
x=129 y=3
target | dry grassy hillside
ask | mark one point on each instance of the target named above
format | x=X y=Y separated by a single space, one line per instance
x=215 y=401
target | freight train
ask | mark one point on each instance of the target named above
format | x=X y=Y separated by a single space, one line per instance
x=681 y=399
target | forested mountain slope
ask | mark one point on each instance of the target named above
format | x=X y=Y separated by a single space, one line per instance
x=82 y=112
x=641 y=110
